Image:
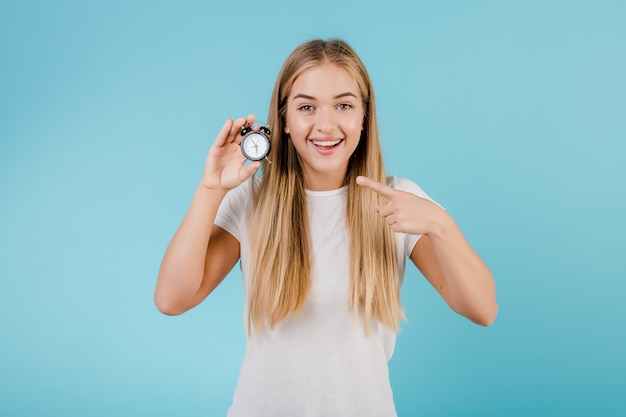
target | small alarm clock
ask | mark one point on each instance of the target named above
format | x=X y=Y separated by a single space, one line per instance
x=255 y=144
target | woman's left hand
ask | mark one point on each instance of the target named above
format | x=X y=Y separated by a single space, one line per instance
x=403 y=211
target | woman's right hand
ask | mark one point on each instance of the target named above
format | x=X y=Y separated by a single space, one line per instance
x=224 y=168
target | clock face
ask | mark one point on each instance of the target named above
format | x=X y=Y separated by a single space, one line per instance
x=255 y=146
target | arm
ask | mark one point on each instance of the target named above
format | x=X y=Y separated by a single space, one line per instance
x=201 y=254
x=453 y=268
x=198 y=258
x=443 y=254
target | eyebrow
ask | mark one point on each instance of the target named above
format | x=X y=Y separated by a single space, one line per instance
x=305 y=96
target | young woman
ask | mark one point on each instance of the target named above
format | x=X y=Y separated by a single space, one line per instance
x=322 y=234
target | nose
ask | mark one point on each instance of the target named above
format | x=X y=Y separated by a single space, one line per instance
x=326 y=122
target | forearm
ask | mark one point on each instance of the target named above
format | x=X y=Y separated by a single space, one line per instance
x=182 y=268
x=470 y=284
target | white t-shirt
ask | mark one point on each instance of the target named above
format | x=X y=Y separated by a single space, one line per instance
x=318 y=362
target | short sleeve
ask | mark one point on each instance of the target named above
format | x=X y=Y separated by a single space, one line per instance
x=231 y=212
x=403 y=184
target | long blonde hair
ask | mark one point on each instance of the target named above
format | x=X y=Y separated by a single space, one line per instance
x=281 y=265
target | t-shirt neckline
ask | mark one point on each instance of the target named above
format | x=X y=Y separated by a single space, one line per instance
x=342 y=190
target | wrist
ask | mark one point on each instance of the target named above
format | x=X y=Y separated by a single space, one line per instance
x=211 y=192
x=441 y=224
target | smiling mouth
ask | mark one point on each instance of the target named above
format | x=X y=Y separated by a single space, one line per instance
x=326 y=143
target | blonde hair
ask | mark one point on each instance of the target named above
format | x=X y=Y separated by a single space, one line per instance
x=278 y=221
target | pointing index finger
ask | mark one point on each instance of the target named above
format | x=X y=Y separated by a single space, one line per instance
x=378 y=187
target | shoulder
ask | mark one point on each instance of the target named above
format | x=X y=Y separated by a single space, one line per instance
x=403 y=184
x=231 y=212
x=242 y=192
x=237 y=199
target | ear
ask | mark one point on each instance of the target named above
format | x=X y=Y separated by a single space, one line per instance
x=286 y=130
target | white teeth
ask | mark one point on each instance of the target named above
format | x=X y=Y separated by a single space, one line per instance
x=326 y=143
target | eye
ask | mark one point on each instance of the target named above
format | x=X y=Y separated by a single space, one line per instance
x=344 y=106
x=306 y=108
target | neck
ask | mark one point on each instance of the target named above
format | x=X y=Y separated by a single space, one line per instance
x=324 y=181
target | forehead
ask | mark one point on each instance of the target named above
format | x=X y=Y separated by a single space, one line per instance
x=326 y=80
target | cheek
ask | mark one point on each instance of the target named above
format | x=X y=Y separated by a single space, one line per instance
x=297 y=127
x=355 y=126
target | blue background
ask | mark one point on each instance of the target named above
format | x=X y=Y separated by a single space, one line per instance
x=510 y=114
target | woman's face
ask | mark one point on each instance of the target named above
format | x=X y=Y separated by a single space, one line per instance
x=324 y=119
